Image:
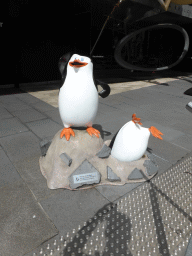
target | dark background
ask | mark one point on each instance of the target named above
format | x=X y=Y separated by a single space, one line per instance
x=34 y=36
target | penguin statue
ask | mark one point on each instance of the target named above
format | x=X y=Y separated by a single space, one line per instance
x=130 y=142
x=78 y=96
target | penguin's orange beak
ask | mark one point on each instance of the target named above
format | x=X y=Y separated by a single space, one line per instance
x=77 y=63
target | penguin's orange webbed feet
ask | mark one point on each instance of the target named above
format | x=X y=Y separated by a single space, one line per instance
x=67 y=132
x=136 y=120
x=92 y=131
x=155 y=132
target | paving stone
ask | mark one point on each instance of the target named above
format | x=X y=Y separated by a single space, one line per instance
x=184 y=141
x=42 y=106
x=162 y=164
x=30 y=172
x=54 y=115
x=16 y=105
x=9 y=99
x=162 y=91
x=28 y=115
x=84 y=174
x=103 y=108
x=26 y=97
x=159 y=118
x=104 y=152
x=127 y=104
x=11 y=126
x=189 y=248
x=127 y=111
x=2 y=108
x=115 y=124
x=23 y=221
x=168 y=115
x=20 y=146
x=114 y=115
x=139 y=96
x=111 y=100
x=68 y=209
x=141 y=100
x=168 y=133
x=162 y=105
x=100 y=118
x=112 y=193
x=135 y=94
x=183 y=127
x=165 y=150
x=111 y=176
x=44 y=128
x=66 y=159
x=4 y=114
x=8 y=173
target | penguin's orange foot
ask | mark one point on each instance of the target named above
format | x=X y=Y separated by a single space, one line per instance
x=67 y=132
x=92 y=131
x=155 y=132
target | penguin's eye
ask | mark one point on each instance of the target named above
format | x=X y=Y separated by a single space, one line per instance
x=82 y=59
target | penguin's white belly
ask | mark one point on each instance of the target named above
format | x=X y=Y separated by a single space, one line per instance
x=130 y=143
x=78 y=104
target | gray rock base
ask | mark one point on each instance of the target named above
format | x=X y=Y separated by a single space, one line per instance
x=84 y=174
x=111 y=176
x=60 y=172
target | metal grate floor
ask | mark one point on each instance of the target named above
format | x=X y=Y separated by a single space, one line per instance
x=153 y=220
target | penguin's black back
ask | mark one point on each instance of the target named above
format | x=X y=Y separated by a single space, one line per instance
x=63 y=61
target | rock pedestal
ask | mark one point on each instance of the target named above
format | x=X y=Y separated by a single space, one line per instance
x=85 y=161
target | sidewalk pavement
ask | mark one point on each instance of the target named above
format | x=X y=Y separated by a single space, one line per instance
x=32 y=215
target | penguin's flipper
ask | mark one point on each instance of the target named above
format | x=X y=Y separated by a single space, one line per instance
x=63 y=61
x=113 y=140
x=92 y=131
x=106 y=89
x=67 y=132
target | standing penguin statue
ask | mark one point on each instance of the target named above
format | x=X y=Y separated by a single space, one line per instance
x=78 y=96
x=130 y=142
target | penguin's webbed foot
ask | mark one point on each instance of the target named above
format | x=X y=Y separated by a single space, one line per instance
x=92 y=131
x=67 y=132
x=155 y=132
